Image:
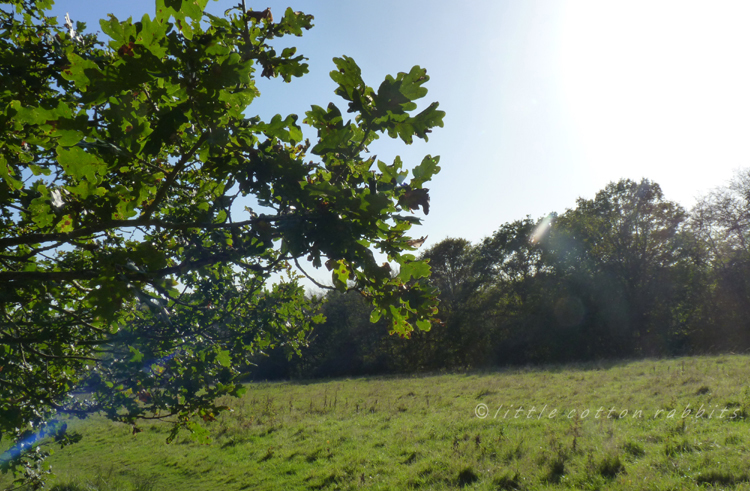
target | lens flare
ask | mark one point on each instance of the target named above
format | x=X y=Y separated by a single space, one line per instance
x=541 y=229
x=47 y=429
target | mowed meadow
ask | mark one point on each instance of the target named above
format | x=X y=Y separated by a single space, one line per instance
x=626 y=425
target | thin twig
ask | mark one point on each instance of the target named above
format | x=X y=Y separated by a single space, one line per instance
x=319 y=285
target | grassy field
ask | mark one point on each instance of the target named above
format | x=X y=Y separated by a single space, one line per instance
x=614 y=426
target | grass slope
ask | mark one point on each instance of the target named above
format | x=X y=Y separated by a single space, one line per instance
x=424 y=433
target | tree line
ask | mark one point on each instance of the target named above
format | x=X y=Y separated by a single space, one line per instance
x=625 y=274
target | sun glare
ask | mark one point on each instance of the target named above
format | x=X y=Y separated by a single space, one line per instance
x=658 y=89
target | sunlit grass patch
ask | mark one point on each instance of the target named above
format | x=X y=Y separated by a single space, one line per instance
x=614 y=426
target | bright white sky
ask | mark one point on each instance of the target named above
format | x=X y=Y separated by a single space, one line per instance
x=546 y=101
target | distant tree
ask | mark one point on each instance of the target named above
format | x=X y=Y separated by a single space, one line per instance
x=624 y=244
x=520 y=296
x=721 y=222
x=144 y=212
x=451 y=262
x=512 y=254
x=347 y=343
x=722 y=218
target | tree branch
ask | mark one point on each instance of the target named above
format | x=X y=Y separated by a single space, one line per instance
x=32 y=276
x=55 y=357
x=162 y=192
x=296 y=263
x=63 y=237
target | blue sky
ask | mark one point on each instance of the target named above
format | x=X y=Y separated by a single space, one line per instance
x=546 y=101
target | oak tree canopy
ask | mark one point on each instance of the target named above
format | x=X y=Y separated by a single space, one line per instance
x=147 y=214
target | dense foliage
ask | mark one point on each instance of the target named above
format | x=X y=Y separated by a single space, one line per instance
x=625 y=274
x=150 y=223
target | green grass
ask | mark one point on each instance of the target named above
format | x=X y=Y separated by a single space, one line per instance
x=422 y=433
